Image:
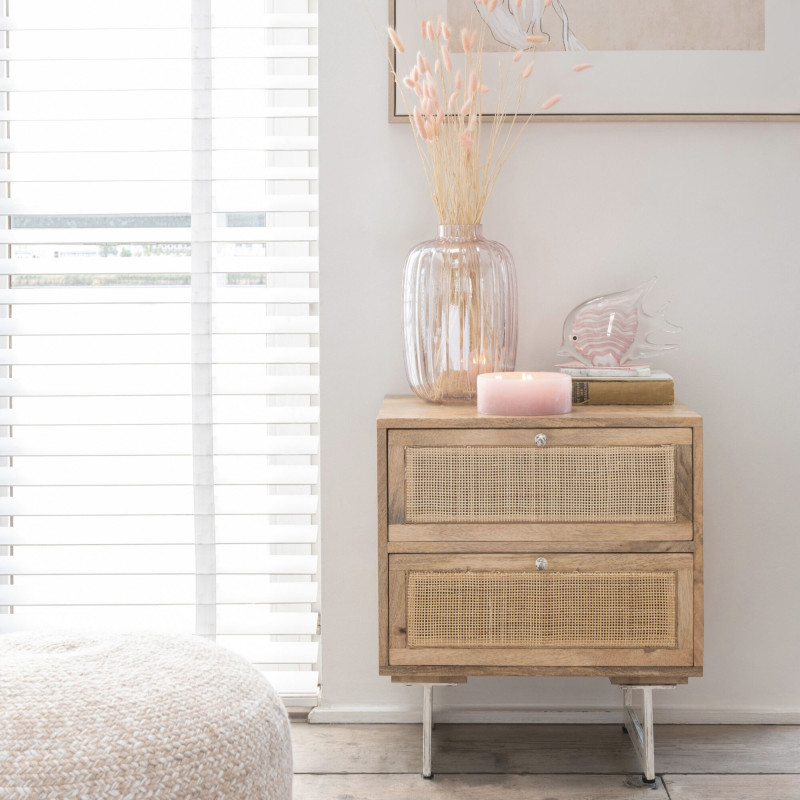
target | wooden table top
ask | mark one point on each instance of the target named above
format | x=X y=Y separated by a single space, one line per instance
x=408 y=411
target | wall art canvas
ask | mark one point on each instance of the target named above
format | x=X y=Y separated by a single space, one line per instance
x=652 y=59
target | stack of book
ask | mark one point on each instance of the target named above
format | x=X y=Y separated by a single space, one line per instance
x=617 y=388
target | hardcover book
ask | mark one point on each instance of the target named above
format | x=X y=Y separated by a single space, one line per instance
x=657 y=389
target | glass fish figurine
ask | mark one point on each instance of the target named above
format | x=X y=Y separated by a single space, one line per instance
x=615 y=331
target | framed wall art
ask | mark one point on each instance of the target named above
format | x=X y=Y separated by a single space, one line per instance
x=652 y=59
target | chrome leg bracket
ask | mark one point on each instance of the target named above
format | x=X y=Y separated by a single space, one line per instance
x=641 y=731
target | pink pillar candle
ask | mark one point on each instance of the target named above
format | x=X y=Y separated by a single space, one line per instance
x=524 y=394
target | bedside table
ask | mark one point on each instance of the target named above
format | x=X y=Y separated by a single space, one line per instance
x=563 y=545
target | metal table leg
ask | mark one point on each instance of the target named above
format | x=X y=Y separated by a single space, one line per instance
x=427 y=725
x=641 y=732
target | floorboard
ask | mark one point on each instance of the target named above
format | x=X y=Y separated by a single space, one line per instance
x=474 y=787
x=545 y=749
x=733 y=787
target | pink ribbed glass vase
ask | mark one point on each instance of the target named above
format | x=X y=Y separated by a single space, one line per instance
x=459 y=313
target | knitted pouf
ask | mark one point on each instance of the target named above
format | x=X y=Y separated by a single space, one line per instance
x=137 y=716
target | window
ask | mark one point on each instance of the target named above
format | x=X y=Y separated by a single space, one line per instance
x=158 y=322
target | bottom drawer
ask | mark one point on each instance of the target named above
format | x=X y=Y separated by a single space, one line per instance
x=581 y=610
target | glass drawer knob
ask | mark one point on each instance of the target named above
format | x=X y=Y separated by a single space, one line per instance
x=541 y=564
x=540 y=439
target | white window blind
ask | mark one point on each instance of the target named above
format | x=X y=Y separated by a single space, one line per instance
x=158 y=322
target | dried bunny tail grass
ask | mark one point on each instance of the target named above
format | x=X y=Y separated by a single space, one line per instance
x=526 y=73
x=459 y=81
x=581 y=67
x=465 y=40
x=420 y=124
x=446 y=31
x=429 y=30
x=518 y=55
x=446 y=60
x=398 y=44
x=550 y=102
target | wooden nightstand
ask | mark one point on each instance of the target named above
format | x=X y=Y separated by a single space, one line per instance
x=565 y=545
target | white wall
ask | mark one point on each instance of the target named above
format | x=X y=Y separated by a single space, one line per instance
x=714 y=209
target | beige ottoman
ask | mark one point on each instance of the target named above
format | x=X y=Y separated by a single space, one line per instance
x=137 y=716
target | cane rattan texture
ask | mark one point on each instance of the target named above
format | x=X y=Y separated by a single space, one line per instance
x=541 y=609
x=533 y=484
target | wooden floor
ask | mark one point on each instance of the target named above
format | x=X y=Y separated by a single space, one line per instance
x=545 y=762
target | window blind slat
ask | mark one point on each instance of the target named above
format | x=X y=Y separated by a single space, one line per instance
x=169 y=384
x=257 y=618
x=159 y=19
x=76 y=113
x=62 y=52
x=148 y=474
x=158 y=353
x=127 y=142
x=106 y=168
x=149 y=439
x=98 y=618
x=241 y=534
x=149 y=411
x=163 y=319
x=142 y=82
x=105 y=236
x=256 y=649
x=74 y=296
x=64 y=204
x=294 y=684
x=122 y=502
x=151 y=265
x=142 y=560
x=139 y=592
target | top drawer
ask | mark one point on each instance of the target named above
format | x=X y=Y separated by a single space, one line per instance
x=576 y=484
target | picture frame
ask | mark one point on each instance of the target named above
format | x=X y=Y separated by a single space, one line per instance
x=753 y=75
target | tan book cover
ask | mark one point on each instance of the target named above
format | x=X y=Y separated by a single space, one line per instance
x=657 y=390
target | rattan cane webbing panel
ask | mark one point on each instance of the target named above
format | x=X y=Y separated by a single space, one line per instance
x=540 y=484
x=541 y=609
